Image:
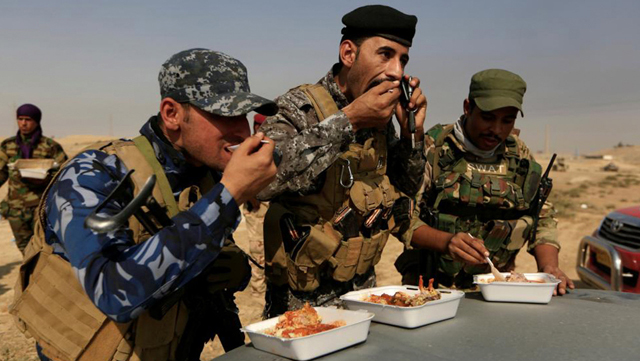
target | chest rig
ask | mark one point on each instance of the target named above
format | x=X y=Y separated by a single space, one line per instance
x=51 y=305
x=340 y=231
x=490 y=199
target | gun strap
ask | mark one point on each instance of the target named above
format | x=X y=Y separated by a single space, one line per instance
x=146 y=149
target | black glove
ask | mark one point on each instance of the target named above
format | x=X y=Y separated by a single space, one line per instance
x=230 y=271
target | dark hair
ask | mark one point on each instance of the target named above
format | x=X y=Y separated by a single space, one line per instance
x=357 y=39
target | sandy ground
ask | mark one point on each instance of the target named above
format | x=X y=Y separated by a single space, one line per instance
x=583 y=194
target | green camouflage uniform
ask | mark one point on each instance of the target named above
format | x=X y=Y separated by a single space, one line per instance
x=489 y=198
x=24 y=195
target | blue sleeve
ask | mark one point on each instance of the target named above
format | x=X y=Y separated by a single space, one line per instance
x=122 y=278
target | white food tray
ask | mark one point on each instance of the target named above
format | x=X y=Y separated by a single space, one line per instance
x=34 y=168
x=355 y=331
x=34 y=173
x=517 y=291
x=409 y=317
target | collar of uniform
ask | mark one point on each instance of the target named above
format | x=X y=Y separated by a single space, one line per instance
x=329 y=83
x=179 y=173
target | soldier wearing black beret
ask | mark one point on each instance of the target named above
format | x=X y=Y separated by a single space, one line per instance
x=343 y=168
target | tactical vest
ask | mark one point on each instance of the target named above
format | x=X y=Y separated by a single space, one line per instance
x=356 y=183
x=489 y=200
x=51 y=305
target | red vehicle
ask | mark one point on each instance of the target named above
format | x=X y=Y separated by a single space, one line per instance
x=610 y=258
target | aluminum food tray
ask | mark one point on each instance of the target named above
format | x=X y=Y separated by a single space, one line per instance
x=355 y=331
x=516 y=291
x=408 y=317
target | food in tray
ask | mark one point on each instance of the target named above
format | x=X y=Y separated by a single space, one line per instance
x=403 y=299
x=516 y=277
x=300 y=323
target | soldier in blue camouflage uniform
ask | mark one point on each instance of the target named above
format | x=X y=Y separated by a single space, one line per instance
x=364 y=87
x=480 y=188
x=24 y=193
x=205 y=99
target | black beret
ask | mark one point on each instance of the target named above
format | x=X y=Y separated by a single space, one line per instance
x=380 y=20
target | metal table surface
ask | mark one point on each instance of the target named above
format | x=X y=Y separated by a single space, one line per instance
x=582 y=325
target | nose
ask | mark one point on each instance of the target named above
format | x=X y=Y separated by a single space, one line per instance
x=395 y=69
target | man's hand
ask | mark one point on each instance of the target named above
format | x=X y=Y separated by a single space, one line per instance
x=250 y=169
x=565 y=281
x=417 y=103
x=547 y=259
x=374 y=108
x=467 y=249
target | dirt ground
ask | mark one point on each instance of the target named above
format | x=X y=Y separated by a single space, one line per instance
x=583 y=195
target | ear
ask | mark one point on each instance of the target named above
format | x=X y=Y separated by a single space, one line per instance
x=348 y=53
x=465 y=107
x=172 y=114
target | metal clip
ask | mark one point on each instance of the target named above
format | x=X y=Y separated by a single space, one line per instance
x=350 y=175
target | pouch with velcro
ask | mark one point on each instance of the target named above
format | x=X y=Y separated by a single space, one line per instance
x=345 y=260
x=318 y=246
x=366 y=195
x=371 y=251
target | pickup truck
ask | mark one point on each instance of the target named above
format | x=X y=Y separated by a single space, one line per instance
x=609 y=259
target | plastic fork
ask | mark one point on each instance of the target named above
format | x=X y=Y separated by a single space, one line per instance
x=496 y=274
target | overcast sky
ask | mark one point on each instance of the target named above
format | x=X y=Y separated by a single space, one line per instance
x=92 y=66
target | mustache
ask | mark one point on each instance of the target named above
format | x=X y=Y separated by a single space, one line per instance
x=491 y=135
x=377 y=82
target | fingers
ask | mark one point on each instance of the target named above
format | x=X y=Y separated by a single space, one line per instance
x=478 y=246
x=465 y=254
x=250 y=144
x=386 y=88
x=415 y=81
x=468 y=249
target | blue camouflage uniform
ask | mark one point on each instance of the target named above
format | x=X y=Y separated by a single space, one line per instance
x=122 y=287
x=185 y=274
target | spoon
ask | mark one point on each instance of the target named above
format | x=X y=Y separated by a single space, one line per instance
x=236 y=146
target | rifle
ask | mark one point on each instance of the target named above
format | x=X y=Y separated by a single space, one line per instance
x=546 y=184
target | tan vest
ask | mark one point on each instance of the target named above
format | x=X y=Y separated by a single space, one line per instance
x=51 y=305
x=357 y=179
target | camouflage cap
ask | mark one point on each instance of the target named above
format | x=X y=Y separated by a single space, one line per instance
x=493 y=89
x=212 y=81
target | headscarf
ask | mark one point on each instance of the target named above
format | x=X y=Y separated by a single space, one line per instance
x=29 y=110
x=33 y=112
x=458 y=130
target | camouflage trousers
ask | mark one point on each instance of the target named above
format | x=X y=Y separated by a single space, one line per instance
x=255 y=224
x=280 y=299
x=21 y=222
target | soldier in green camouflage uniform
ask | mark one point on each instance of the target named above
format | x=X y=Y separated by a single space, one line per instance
x=480 y=187
x=24 y=193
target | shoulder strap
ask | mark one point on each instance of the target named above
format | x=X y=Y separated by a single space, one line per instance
x=146 y=150
x=321 y=100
